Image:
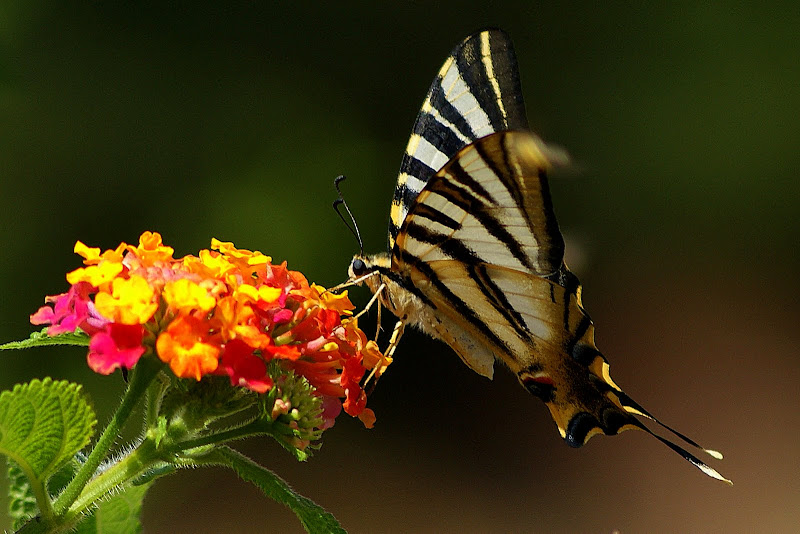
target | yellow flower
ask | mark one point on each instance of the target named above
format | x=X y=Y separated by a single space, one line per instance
x=332 y=301
x=92 y=256
x=209 y=264
x=130 y=301
x=227 y=248
x=185 y=295
x=247 y=264
x=97 y=275
x=248 y=293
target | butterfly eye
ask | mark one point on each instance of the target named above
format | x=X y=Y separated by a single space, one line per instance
x=358 y=267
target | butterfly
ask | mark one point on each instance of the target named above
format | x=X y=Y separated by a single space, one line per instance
x=476 y=257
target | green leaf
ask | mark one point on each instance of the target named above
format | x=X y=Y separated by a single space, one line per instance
x=41 y=339
x=119 y=514
x=21 y=500
x=313 y=517
x=43 y=424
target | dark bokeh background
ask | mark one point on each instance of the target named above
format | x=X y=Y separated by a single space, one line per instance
x=231 y=122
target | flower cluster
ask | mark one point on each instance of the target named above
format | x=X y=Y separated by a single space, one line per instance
x=225 y=312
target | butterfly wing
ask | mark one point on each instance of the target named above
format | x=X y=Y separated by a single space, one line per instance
x=477 y=92
x=481 y=243
x=489 y=207
x=490 y=204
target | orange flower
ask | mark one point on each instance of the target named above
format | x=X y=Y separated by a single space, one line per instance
x=151 y=249
x=186 y=346
x=233 y=320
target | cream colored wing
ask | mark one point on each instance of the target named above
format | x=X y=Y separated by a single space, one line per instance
x=489 y=204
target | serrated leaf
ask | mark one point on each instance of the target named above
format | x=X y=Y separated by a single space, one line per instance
x=43 y=424
x=119 y=514
x=41 y=339
x=313 y=517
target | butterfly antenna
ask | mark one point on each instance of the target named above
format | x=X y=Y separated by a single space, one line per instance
x=340 y=201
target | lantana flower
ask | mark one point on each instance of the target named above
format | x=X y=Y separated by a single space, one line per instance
x=227 y=312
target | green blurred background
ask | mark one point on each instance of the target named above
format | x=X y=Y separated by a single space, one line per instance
x=231 y=121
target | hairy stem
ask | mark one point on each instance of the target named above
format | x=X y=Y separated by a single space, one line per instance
x=143 y=374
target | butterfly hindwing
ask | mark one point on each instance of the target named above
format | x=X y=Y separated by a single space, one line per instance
x=476 y=93
x=489 y=204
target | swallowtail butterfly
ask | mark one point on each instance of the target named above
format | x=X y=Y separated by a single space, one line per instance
x=476 y=257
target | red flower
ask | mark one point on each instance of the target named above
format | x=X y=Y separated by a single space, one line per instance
x=352 y=373
x=117 y=345
x=244 y=368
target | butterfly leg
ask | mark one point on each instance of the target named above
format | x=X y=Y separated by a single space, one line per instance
x=397 y=333
x=372 y=302
x=387 y=355
x=378 y=322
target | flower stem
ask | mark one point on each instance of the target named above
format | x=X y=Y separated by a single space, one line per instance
x=144 y=372
x=133 y=465
x=253 y=428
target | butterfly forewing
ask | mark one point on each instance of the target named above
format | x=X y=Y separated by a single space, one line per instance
x=476 y=93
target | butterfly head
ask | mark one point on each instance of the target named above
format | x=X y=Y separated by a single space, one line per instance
x=369 y=270
x=358 y=268
x=375 y=271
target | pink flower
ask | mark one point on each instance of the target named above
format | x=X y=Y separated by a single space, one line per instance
x=118 y=345
x=331 y=408
x=71 y=310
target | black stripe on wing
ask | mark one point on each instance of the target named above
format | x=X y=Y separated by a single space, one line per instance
x=439 y=107
x=455 y=302
x=484 y=62
x=477 y=92
x=496 y=191
x=492 y=225
x=445 y=139
x=495 y=295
